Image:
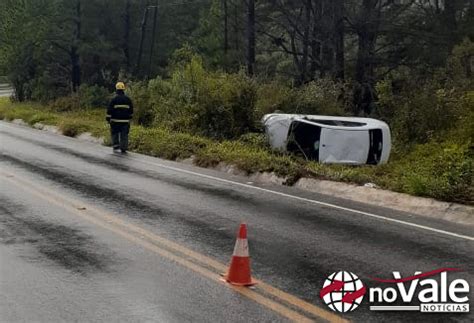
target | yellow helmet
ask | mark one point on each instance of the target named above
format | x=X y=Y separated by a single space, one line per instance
x=120 y=86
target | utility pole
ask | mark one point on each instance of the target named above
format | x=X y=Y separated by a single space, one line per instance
x=153 y=36
x=142 y=38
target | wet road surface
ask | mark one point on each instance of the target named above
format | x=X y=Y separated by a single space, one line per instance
x=92 y=236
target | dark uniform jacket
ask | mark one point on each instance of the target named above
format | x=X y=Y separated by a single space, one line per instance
x=120 y=109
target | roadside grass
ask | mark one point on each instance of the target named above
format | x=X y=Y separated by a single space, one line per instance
x=439 y=170
x=164 y=143
x=70 y=123
x=30 y=113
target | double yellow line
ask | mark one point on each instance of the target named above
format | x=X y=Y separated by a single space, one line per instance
x=264 y=294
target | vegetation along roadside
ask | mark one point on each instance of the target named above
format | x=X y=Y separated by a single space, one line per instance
x=438 y=167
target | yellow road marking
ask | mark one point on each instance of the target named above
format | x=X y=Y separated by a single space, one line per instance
x=74 y=205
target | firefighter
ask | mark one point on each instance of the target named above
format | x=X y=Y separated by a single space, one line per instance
x=119 y=115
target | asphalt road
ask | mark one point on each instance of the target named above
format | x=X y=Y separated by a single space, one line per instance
x=88 y=235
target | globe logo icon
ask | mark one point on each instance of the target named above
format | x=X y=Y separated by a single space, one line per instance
x=342 y=291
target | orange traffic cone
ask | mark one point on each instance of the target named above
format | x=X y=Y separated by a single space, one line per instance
x=239 y=269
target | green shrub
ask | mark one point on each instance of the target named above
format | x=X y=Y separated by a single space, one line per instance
x=73 y=127
x=93 y=96
x=225 y=106
x=440 y=170
x=319 y=97
x=66 y=103
x=438 y=107
x=213 y=104
x=459 y=65
x=45 y=88
x=273 y=97
x=323 y=97
x=420 y=114
x=143 y=109
x=86 y=97
x=222 y=105
x=196 y=101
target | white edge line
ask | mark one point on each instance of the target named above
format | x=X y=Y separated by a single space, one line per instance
x=380 y=217
x=419 y=226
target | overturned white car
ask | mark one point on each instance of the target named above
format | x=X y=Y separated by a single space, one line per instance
x=326 y=139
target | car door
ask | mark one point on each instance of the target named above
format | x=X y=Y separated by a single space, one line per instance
x=344 y=146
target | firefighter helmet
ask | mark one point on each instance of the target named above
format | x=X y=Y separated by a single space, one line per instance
x=120 y=86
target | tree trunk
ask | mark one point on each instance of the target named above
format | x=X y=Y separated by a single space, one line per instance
x=449 y=17
x=339 y=39
x=450 y=7
x=364 y=94
x=126 y=35
x=74 y=55
x=226 y=27
x=251 y=37
x=76 y=69
x=306 y=42
x=236 y=23
x=316 y=39
x=153 y=37
x=19 y=88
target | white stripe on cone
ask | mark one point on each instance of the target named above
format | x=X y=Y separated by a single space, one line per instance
x=241 y=248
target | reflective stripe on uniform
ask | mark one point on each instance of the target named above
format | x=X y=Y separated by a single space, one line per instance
x=122 y=106
x=109 y=116
x=119 y=120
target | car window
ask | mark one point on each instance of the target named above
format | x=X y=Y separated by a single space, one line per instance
x=341 y=123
